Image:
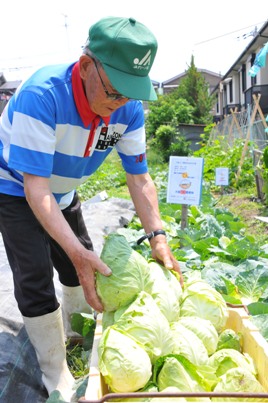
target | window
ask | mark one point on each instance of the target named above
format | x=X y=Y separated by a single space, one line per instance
x=231 y=91
x=253 y=79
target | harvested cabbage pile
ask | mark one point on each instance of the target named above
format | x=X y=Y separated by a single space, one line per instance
x=145 y=323
x=157 y=336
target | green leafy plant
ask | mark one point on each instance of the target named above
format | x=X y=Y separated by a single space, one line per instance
x=220 y=154
x=168 y=142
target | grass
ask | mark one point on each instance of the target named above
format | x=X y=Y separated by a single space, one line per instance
x=109 y=177
x=245 y=205
x=78 y=361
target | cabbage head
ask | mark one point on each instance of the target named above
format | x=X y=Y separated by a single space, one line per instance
x=145 y=323
x=229 y=339
x=166 y=291
x=238 y=380
x=228 y=358
x=203 y=329
x=202 y=300
x=130 y=274
x=173 y=373
x=188 y=344
x=124 y=365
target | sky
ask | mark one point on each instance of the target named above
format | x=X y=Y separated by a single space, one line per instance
x=36 y=33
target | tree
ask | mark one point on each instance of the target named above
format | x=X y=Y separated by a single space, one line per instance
x=168 y=110
x=190 y=103
x=195 y=90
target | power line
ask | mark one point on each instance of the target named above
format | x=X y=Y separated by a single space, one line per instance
x=229 y=33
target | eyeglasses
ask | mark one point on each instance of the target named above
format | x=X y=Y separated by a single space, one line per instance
x=112 y=96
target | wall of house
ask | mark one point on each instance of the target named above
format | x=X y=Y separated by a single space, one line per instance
x=262 y=77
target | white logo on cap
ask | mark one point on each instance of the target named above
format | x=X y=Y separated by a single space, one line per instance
x=144 y=62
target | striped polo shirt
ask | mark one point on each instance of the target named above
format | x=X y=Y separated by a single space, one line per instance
x=45 y=131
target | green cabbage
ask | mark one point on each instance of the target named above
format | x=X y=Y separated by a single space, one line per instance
x=238 y=380
x=204 y=329
x=229 y=339
x=130 y=274
x=143 y=321
x=166 y=291
x=188 y=344
x=123 y=363
x=173 y=373
x=202 y=300
x=228 y=358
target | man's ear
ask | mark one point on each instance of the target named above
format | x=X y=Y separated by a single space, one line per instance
x=85 y=63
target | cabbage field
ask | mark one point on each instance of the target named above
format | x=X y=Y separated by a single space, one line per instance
x=215 y=248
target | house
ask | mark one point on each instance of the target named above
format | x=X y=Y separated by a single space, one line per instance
x=236 y=88
x=211 y=78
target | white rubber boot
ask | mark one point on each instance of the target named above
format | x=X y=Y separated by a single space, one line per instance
x=73 y=300
x=47 y=337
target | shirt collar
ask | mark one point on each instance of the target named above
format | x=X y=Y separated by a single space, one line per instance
x=81 y=102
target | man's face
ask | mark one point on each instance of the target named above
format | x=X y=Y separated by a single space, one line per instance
x=103 y=99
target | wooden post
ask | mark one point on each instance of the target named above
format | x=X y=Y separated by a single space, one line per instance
x=261 y=114
x=184 y=216
x=236 y=122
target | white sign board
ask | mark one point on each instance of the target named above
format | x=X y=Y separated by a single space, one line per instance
x=222 y=176
x=185 y=180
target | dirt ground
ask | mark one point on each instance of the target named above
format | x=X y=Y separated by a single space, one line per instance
x=247 y=208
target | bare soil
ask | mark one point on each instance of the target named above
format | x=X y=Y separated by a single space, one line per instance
x=247 y=208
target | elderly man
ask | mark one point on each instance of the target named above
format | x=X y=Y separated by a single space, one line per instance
x=55 y=132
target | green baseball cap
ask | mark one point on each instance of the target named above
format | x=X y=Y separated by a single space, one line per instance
x=126 y=50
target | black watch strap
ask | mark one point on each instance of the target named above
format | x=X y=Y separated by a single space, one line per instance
x=151 y=235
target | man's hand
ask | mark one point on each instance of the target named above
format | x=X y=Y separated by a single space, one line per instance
x=86 y=265
x=162 y=254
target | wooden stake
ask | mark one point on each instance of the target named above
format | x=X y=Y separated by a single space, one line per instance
x=184 y=216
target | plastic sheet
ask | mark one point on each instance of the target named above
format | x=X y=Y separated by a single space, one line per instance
x=20 y=376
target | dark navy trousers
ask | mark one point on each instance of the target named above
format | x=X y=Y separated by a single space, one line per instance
x=32 y=254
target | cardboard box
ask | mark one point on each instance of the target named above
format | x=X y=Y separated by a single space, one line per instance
x=253 y=343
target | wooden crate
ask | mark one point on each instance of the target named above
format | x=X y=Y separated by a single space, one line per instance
x=253 y=343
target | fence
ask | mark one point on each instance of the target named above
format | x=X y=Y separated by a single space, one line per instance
x=249 y=125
